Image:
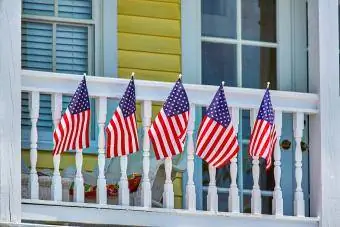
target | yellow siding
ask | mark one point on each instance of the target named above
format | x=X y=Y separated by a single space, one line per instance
x=149 y=44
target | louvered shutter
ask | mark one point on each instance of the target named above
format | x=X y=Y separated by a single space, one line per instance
x=38 y=7
x=80 y=9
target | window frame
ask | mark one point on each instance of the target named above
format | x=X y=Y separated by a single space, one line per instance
x=95 y=64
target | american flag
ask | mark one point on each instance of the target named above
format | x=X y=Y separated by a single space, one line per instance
x=73 y=130
x=121 y=132
x=216 y=141
x=168 y=131
x=263 y=137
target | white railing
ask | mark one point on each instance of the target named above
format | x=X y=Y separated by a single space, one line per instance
x=100 y=88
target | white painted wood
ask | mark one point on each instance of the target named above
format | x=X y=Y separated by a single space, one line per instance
x=56 y=187
x=256 y=205
x=212 y=197
x=146 y=185
x=277 y=207
x=34 y=115
x=299 y=203
x=190 y=197
x=168 y=194
x=324 y=156
x=78 y=191
x=10 y=99
x=101 y=181
x=243 y=98
x=234 y=198
x=134 y=216
x=123 y=195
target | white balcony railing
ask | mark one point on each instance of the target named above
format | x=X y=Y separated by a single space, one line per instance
x=147 y=92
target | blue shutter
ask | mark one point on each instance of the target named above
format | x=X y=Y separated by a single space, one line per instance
x=79 y=9
x=38 y=7
x=36 y=54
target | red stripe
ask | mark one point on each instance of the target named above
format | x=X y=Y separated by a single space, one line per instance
x=87 y=138
x=228 y=151
x=115 y=133
x=203 y=133
x=231 y=156
x=154 y=145
x=221 y=146
x=123 y=152
x=261 y=138
x=61 y=130
x=80 y=134
x=70 y=134
x=178 y=121
x=134 y=125
x=167 y=136
x=160 y=139
x=67 y=132
x=126 y=120
x=173 y=131
x=108 y=142
x=256 y=129
x=208 y=140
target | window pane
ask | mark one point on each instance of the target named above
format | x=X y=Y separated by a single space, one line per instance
x=219 y=18
x=258 y=67
x=259 y=20
x=77 y=9
x=218 y=64
x=38 y=7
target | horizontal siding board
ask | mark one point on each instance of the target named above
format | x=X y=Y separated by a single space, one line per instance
x=149 y=61
x=149 y=9
x=174 y=1
x=148 y=74
x=155 y=44
x=149 y=26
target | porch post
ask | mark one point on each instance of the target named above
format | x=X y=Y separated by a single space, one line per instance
x=324 y=127
x=10 y=109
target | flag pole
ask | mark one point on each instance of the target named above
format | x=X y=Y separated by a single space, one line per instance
x=133 y=75
x=268 y=84
x=180 y=76
x=222 y=83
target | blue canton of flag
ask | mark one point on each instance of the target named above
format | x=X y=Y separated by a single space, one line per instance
x=217 y=141
x=263 y=137
x=168 y=131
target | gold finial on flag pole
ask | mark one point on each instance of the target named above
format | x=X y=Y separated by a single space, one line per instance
x=180 y=76
x=132 y=75
x=223 y=83
x=84 y=75
x=268 y=83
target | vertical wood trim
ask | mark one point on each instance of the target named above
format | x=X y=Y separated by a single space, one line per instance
x=110 y=46
x=10 y=111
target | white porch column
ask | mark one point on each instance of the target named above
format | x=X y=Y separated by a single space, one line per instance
x=324 y=126
x=10 y=109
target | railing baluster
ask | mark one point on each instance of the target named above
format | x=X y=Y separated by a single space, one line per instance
x=168 y=194
x=234 y=198
x=123 y=194
x=277 y=195
x=212 y=198
x=190 y=188
x=256 y=192
x=34 y=114
x=78 y=180
x=146 y=186
x=101 y=181
x=299 y=203
x=56 y=187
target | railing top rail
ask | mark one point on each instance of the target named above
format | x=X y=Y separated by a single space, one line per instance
x=245 y=98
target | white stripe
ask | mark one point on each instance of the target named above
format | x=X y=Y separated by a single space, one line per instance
x=162 y=134
x=135 y=127
x=251 y=145
x=117 y=127
x=67 y=135
x=155 y=137
x=271 y=139
x=263 y=141
x=214 y=134
x=205 y=123
x=131 y=132
x=223 y=150
x=171 y=135
x=181 y=119
x=218 y=145
x=174 y=122
x=260 y=131
x=84 y=129
x=75 y=130
x=206 y=137
x=228 y=156
x=111 y=146
x=126 y=135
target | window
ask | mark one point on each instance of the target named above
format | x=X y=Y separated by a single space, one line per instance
x=239 y=46
x=57 y=36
